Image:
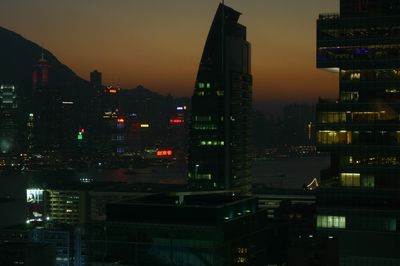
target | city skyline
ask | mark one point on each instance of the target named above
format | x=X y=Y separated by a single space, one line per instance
x=137 y=43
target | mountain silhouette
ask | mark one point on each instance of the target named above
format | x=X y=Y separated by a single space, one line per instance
x=19 y=55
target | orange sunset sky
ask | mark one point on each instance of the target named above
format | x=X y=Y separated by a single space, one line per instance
x=158 y=43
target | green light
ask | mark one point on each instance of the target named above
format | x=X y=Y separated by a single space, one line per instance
x=30 y=115
x=80 y=136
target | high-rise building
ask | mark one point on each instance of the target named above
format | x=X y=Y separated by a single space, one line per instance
x=180 y=229
x=8 y=119
x=96 y=80
x=46 y=107
x=359 y=199
x=219 y=152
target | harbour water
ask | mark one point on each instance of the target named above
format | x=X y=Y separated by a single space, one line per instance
x=281 y=173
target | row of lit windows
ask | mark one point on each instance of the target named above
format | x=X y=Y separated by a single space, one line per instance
x=212 y=143
x=342 y=117
x=202 y=118
x=372 y=160
x=202 y=93
x=205 y=126
x=356 y=53
x=334 y=137
x=327 y=221
x=359 y=33
x=203 y=85
x=356 y=137
x=384 y=74
x=203 y=176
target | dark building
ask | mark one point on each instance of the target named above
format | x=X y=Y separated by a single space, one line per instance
x=8 y=119
x=219 y=152
x=63 y=241
x=359 y=199
x=27 y=254
x=180 y=229
x=96 y=80
x=45 y=108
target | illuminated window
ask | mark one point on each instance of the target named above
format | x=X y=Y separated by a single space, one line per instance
x=332 y=117
x=208 y=85
x=203 y=176
x=205 y=126
x=350 y=96
x=350 y=179
x=325 y=221
x=201 y=85
x=355 y=76
x=202 y=118
x=365 y=116
x=334 y=137
x=200 y=93
x=368 y=181
x=220 y=93
x=242 y=250
x=212 y=143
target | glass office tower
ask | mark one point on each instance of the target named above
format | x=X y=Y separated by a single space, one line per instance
x=360 y=198
x=219 y=152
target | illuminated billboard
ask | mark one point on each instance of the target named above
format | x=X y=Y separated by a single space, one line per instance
x=34 y=200
x=163 y=153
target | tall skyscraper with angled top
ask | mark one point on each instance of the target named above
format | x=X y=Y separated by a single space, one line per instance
x=359 y=201
x=219 y=152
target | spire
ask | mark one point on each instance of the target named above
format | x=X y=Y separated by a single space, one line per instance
x=42 y=57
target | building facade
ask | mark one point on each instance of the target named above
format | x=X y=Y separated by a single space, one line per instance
x=219 y=150
x=358 y=202
x=8 y=119
x=180 y=229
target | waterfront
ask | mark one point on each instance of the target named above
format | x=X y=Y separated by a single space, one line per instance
x=279 y=173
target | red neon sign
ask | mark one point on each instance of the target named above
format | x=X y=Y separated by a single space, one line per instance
x=162 y=153
x=177 y=121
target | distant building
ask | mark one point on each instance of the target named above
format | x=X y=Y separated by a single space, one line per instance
x=359 y=200
x=219 y=149
x=96 y=80
x=8 y=119
x=63 y=240
x=180 y=229
x=46 y=108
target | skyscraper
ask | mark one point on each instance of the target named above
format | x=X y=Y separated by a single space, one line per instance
x=219 y=152
x=359 y=201
x=46 y=109
x=8 y=119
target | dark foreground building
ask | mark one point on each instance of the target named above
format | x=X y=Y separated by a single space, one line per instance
x=219 y=153
x=181 y=229
x=360 y=199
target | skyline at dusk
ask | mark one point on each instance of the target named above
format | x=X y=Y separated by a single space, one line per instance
x=158 y=43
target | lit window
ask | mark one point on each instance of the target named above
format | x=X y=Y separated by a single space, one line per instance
x=326 y=221
x=202 y=118
x=208 y=85
x=201 y=85
x=355 y=76
x=334 y=137
x=220 y=93
x=350 y=179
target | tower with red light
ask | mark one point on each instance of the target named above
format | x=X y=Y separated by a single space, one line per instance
x=40 y=75
x=46 y=107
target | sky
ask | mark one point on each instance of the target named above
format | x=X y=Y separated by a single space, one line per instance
x=158 y=43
